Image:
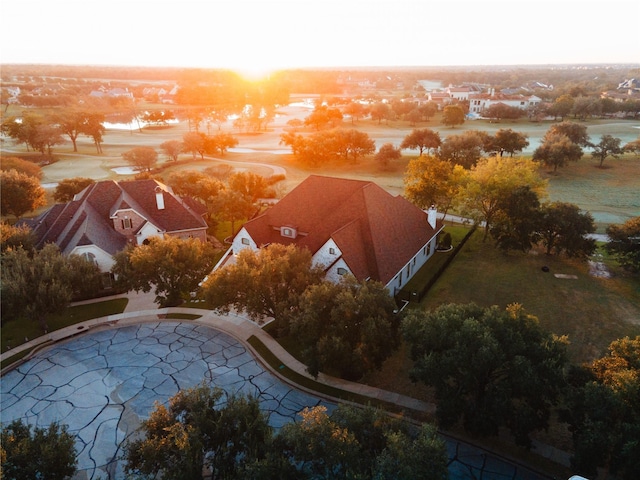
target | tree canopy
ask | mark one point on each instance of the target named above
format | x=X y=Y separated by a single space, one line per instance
x=624 y=243
x=200 y=431
x=266 y=283
x=557 y=150
x=608 y=146
x=452 y=115
x=422 y=139
x=44 y=453
x=172 y=266
x=491 y=182
x=563 y=229
x=142 y=159
x=21 y=193
x=432 y=181
x=37 y=284
x=346 y=328
x=603 y=410
x=490 y=368
x=69 y=187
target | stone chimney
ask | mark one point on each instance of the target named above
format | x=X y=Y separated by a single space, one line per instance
x=159 y=198
x=432 y=215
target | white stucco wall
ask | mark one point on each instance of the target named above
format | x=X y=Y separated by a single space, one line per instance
x=148 y=230
x=409 y=270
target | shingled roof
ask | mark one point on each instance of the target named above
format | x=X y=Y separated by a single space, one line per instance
x=87 y=219
x=376 y=232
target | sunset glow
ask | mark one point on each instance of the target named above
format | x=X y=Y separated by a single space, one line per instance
x=256 y=36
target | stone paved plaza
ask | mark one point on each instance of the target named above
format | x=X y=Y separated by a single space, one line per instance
x=103 y=383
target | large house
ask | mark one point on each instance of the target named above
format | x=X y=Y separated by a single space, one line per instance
x=106 y=216
x=479 y=102
x=350 y=227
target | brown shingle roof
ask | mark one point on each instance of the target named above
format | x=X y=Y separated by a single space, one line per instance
x=87 y=219
x=376 y=232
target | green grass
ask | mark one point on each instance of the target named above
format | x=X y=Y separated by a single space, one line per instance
x=16 y=332
x=591 y=311
x=426 y=273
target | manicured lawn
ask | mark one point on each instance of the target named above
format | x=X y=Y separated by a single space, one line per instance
x=15 y=332
x=591 y=311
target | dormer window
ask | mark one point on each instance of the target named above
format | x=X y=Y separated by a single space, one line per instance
x=288 y=232
x=342 y=271
x=126 y=223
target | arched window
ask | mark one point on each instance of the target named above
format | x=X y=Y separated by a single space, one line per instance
x=342 y=271
x=90 y=257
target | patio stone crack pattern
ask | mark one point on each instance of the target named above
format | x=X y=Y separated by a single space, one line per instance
x=102 y=384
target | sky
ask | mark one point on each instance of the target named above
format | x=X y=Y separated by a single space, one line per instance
x=256 y=36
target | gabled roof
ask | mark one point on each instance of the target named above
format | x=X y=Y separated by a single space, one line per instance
x=87 y=219
x=377 y=233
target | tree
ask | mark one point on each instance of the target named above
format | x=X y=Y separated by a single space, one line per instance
x=21 y=166
x=501 y=111
x=557 y=150
x=143 y=159
x=266 y=283
x=16 y=236
x=322 y=116
x=172 y=149
x=157 y=117
x=195 y=143
x=506 y=140
x=250 y=185
x=174 y=267
x=603 y=410
x=607 y=146
x=199 y=186
x=347 y=328
x=418 y=458
x=354 y=143
x=633 y=147
x=221 y=142
x=232 y=206
x=71 y=122
x=624 y=243
x=200 y=435
x=380 y=111
x=69 y=187
x=21 y=193
x=46 y=453
x=464 y=149
x=357 y=442
x=490 y=368
x=387 y=153
x=564 y=228
x=491 y=181
x=562 y=106
x=37 y=284
x=432 y=181
x=422 y=139
x=517 y=221
x=355 y=110
x=94 y=128
x=575 y=132
x=319 y=445
x=452 y=115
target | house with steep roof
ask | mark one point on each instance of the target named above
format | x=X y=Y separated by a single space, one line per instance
x=350 y=227
x=106 y=216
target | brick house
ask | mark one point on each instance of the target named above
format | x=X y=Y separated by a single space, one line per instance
x=106 y=216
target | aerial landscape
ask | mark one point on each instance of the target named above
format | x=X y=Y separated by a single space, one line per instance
x=337 y=240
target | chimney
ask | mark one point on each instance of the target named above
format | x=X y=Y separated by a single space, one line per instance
x=159 y=198
x=432 y=215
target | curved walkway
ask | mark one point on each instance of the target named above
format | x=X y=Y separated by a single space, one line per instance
x=140 y=309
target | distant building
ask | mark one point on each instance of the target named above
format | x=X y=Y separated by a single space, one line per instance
x=350 y=227
x=478 y=102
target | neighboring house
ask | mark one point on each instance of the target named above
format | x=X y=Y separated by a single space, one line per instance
x=106 y=216
x=350 y=227
x=479 y=102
